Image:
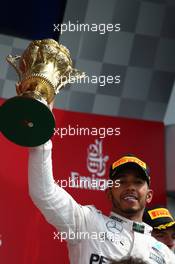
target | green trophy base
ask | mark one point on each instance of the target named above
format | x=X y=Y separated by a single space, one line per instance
x=26 y=121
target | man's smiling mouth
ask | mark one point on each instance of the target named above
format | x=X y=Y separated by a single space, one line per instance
x=130 y=197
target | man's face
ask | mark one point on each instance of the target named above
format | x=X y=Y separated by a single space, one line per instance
x=131 y=197
x=166 y=236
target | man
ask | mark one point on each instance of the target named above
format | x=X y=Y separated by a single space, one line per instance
x=163 y=225
x=121 y=234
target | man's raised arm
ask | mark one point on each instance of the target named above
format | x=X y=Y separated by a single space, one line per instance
x=58 y=207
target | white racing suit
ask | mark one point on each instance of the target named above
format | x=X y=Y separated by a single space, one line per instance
x=92 y=237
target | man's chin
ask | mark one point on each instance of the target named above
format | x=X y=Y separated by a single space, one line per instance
x=130 y=210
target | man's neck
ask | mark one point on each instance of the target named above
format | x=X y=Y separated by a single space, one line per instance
x=136 y=216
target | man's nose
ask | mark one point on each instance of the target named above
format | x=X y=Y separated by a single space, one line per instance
x=131 y=186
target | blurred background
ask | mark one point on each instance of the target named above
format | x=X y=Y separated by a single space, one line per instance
x=142 y=53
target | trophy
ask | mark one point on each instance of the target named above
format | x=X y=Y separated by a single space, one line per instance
x=43 y=69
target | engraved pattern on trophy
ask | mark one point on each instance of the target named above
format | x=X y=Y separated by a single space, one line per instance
x=43 y=69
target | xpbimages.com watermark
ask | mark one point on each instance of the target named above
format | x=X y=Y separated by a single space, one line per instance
x=102 y=80
x=101 y=132
x=82 y=182
x=101 y=28
x=100 y=236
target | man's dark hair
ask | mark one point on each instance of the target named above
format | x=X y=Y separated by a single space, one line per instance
x=129 y=260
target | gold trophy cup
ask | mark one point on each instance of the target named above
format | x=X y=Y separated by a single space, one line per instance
x=43 y=69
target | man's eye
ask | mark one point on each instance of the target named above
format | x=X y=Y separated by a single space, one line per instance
x=173 y=236
x=160 y=235
x=122 y=181
x=139 y=181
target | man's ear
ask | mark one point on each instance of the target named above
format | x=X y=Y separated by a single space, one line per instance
x=108 y=194
x=149 y=196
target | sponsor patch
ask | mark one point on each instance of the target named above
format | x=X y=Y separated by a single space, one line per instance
x=158 y=213
x=138 y=228
x=114 y=226
x=156 y=255
x=127 y=159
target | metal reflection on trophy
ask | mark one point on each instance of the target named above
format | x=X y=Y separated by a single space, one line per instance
x=43 y=69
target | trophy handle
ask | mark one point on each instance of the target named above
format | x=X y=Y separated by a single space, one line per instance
x=14 y=62
x=77 y=74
